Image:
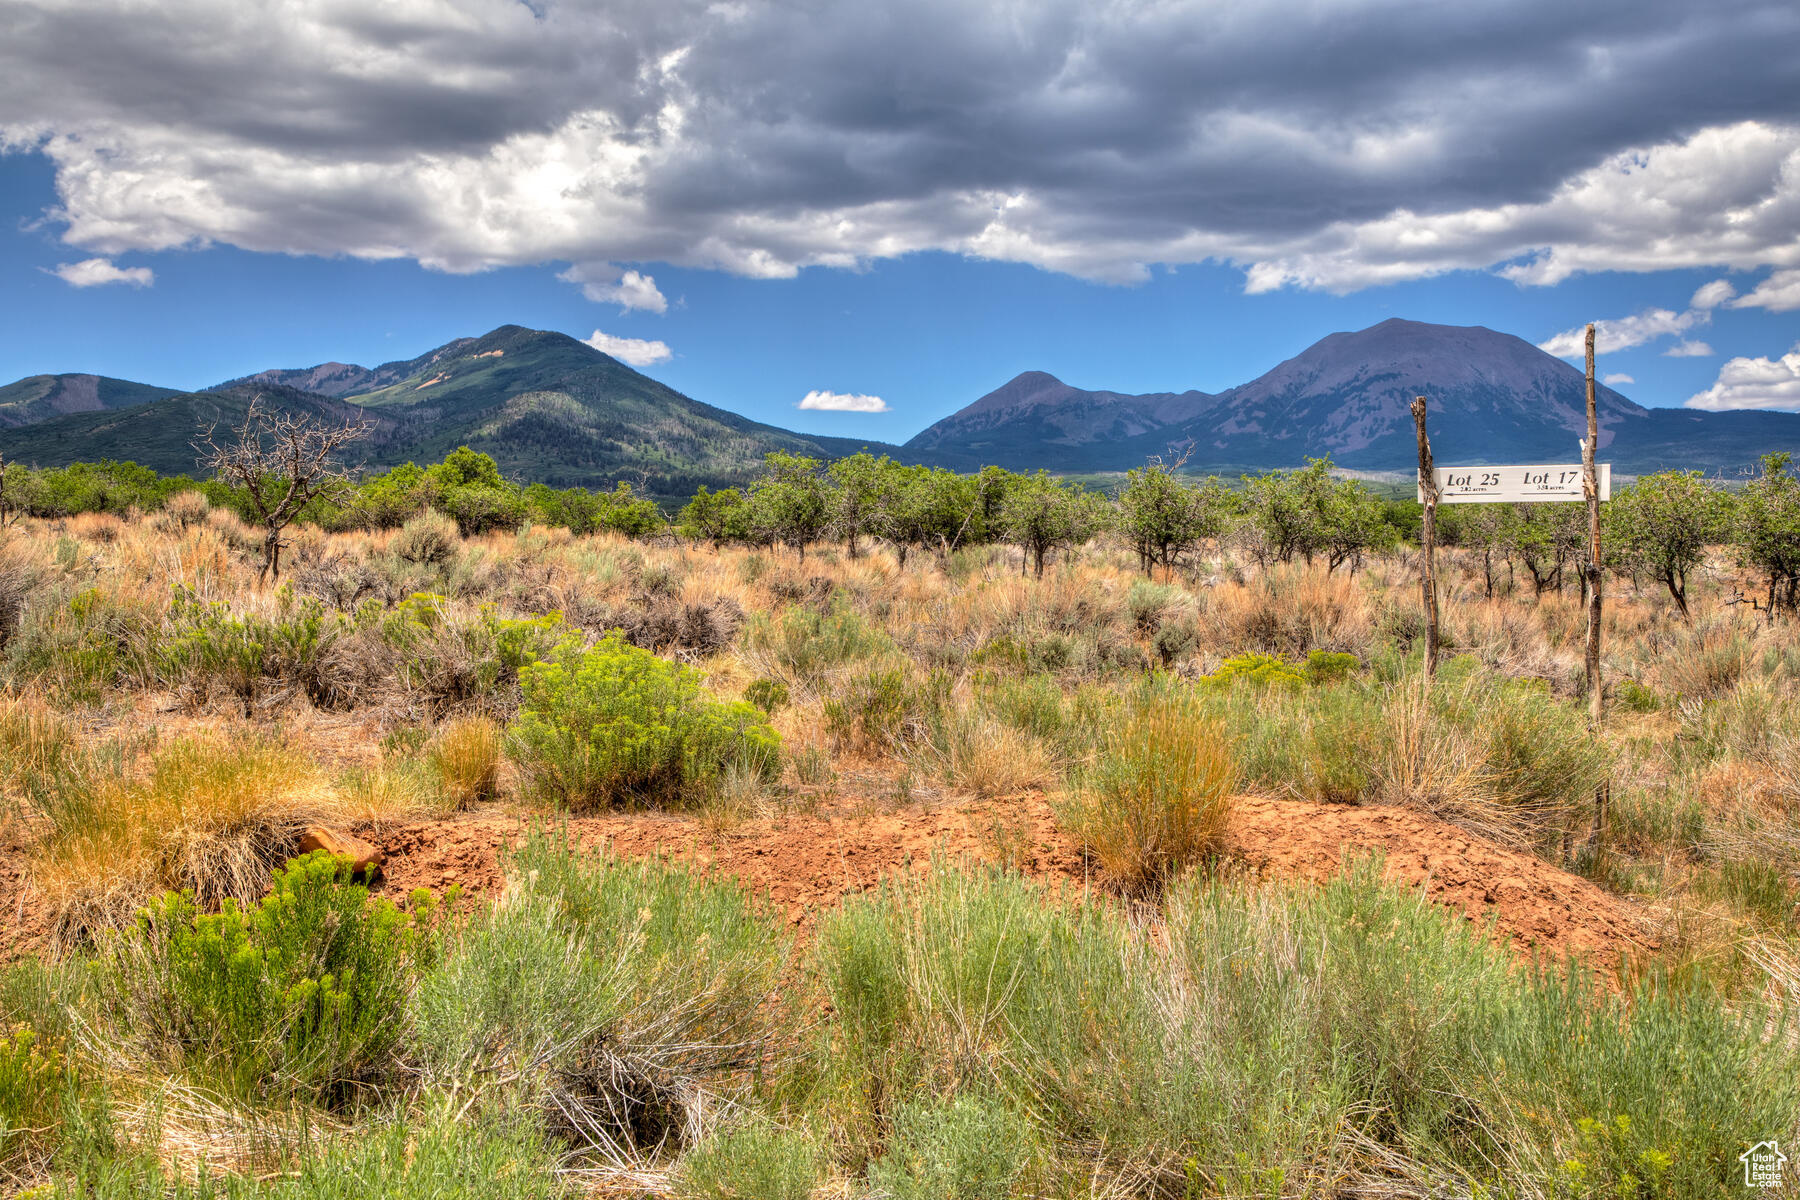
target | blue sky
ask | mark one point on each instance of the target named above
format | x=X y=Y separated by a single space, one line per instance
x=919 y=226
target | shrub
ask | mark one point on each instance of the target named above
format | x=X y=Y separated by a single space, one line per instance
x=1157 y=797
x=1151 y=604
x=880 y=707
x=301 y=993
x=33 y=1076
x=972 y=1148
x=1176 y=640
x=804 y=643
x=618 y=725
x=427 y=539
x=770 y=695
x=187 y=509
x=1260 y=670
x=465 y=754
x=1325 y=666
x=752 y=1160
x=620 y=997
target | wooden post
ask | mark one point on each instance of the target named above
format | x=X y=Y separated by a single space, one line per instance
x=1591 y=576
x=1427 y=539
x=1590 y=485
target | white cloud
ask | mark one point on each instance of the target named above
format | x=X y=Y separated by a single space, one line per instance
x=1624 y=332
x=1617 y=379
x=1726 y=196
x=1754 y=383
x=636 y=351
x=1780 y=292
x=93 y=272
x=1711 y=295
x=1648 y=326
x=604 y=283
x=1097 y=140
x=842 y=402
x=1690 y=348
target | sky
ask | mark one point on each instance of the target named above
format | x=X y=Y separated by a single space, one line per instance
x=854 y=218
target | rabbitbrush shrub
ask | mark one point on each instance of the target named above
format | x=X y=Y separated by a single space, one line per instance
x=32 y=1080
x=301 y=993
x=617 y=725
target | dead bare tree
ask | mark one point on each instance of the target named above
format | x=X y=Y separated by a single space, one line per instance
x=282 y=461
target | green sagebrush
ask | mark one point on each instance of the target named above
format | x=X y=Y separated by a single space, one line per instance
x=615 y=724
x=302 y=992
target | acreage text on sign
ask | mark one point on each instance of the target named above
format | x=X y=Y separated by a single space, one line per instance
x=1493 y=485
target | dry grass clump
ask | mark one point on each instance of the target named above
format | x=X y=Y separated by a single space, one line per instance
x=1158 y=796
x=977 y=752
x=465 y=754
x=1290 y=610
x=214 y=814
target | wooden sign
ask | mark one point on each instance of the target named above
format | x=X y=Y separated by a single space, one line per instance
x=1529 y=484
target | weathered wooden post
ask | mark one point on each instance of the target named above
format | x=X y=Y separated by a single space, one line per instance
x=1428 y=496
x=1591 y=575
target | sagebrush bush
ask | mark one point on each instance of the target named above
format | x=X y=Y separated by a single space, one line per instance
x=752 y=1159
x=972 y=1148
x=427 y=539
x=621 y=999
x=301 y=993
x=617 y=725
x=1158 y=795
x=803 y=644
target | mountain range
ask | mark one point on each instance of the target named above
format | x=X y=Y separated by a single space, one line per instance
x=1491 y=398
x=553 y=409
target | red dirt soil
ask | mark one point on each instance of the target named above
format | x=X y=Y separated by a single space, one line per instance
x=805 y=863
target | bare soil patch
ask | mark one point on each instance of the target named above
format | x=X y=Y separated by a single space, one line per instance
x=806 y=863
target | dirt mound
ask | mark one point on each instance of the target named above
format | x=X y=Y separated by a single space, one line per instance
x=1533 y=903
x=804 y=863
x=799 y=862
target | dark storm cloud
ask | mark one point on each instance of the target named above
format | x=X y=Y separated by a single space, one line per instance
x=1321 y=144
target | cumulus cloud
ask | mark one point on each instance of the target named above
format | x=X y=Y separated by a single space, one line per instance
x=1690 y=348
x=93 y=272
x=637 y=351
x=1647 y=326
x=842 y=402
x=606 y=284
x=1780 y=292
x=1617 y=379
x=1097 y=140
x=1710 y=295
x=1754 y=383
x=1623 y=333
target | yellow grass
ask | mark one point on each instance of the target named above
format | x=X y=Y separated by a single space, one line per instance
x=466 y=756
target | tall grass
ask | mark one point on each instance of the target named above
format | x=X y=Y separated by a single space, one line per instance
x=1267 y=1043
x=1158 y=794
x=213 y=815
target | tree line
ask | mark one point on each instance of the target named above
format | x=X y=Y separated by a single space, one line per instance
x=1660 y=528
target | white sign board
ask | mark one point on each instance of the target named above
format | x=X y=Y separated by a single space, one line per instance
x=1497 y=485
